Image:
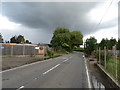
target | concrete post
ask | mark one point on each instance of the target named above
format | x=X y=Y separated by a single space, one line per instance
x=34 y=50
x=105 y=56
x=115 y=60
x=11 y=50
x=23 y=49
x=99 y=56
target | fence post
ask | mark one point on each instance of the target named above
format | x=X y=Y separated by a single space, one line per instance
x=99 y=56
x=23 y=49
x=105 y=56
x=11 y=50
x=115 y=60
x=34 y=50
x=116 y=63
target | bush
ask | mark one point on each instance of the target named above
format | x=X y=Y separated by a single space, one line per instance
x=50 y=53
x=32 y=55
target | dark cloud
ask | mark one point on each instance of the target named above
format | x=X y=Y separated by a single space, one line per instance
x=47 y=16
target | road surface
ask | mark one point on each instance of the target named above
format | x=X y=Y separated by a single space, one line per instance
x=68 y=71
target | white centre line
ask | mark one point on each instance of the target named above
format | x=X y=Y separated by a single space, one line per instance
x=51 y=69
x=65 y=60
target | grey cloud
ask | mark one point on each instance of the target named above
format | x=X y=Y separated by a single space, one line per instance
x=47 y=16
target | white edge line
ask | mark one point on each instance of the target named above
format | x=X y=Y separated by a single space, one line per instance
x=88 y=77
x=51 y=69
x=20 y=87
x=25 y=65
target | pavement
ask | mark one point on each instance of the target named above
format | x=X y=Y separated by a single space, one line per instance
x=68 y=71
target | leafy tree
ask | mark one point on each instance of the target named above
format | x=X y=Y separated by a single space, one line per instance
x=60 y=36
x=76 y=38
x=13 y=39
x=118 y=44
x=27 y=41
x=20 y=39
x=64 y=39
x=112 y=42
x=1 y=38
x=90 y=45
x=104 y=42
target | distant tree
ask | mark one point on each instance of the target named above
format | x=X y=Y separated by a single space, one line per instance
x=7 y=41
x=112 y=42
x=90 y=45
x=76 y=38
x=1 y=38
x=104 y=42
x=27 y=41
x=20 y=39
x=17 y=39
x=118 y=44
x=13 y=39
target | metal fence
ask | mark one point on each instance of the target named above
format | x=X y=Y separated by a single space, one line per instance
x=19 y=49
x=110 y=60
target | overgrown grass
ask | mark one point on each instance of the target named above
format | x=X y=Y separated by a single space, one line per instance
x=110 y=64
x=111 y=68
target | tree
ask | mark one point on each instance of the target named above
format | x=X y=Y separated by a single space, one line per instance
x=90 y=45
x=13 y=39
x=1 y=38
x=118 y=44
x=27 y=41
x=64 y=39
x=60 y=36
x=112 y=42
x=20 y=39
x=104 y=42
x=76 y=38
x=17 y=39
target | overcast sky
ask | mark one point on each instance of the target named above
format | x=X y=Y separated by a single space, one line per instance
x=36 y=21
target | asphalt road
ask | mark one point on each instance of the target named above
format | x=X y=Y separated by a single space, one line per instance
x=67 y=71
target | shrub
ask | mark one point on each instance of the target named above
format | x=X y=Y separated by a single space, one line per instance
x=32 y=55
x=50 y=53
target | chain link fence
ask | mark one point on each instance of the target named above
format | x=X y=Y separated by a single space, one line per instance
x=110 y=60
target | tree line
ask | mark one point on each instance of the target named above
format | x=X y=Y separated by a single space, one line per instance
x=15 y=39
x=91 y=44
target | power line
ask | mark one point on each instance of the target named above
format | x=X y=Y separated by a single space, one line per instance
x=104 y=15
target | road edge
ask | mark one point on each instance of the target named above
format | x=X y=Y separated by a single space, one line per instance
x=108 y=76
x=87 y=72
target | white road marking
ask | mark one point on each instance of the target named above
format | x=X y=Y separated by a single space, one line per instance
x=20 y=87
x=51 y=69
x=70 y=57
x=65 y=60
x=88 y=77
x=25 y=65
